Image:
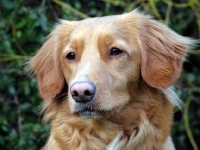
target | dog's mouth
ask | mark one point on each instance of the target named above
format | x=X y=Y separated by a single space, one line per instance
x=89 y=112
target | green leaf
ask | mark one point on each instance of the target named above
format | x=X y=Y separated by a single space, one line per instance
x=8 y=4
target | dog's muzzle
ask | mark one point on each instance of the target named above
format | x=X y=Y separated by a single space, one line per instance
x=83 y=94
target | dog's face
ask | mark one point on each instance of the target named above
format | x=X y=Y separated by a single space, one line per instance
x=93 y=62
x=99 y=62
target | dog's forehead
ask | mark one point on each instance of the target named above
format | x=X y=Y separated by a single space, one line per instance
x=100 y=22
x=102 y=33
x=96 y=26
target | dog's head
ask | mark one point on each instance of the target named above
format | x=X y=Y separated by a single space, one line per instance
x=99 y=62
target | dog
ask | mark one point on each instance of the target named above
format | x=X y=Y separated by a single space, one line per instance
x=106 y=82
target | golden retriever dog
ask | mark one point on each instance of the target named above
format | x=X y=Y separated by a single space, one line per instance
x=106 y=82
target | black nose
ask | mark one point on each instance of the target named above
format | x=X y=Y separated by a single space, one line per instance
x=83 y=91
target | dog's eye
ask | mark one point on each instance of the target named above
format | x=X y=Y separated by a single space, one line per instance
x=115 y=51
x=71 y=56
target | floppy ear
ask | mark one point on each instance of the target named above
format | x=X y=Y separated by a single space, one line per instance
x=46 y=65
x=163 y=52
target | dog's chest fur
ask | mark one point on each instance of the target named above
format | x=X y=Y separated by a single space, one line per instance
x=127 y=130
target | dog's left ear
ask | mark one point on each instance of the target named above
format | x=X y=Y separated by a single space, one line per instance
x=163 y=52
x=46 y=63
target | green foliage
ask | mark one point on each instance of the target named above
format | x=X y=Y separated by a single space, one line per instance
x=23 y=26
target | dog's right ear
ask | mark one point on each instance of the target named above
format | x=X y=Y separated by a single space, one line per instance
x=46 y=65
x=163 y=53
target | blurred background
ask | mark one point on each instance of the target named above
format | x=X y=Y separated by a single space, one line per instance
x=25 y=23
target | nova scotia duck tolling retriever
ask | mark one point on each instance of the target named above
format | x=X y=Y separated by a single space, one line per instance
x=106 y=82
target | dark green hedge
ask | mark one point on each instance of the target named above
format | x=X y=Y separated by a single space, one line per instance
x=24 y=24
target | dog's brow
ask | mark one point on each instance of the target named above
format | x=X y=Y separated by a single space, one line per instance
x=104 y=42
x=77 y=45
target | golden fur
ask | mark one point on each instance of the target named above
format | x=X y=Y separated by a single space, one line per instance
x=133 y=102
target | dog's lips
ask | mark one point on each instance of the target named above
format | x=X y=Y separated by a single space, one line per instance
x=89 y=114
